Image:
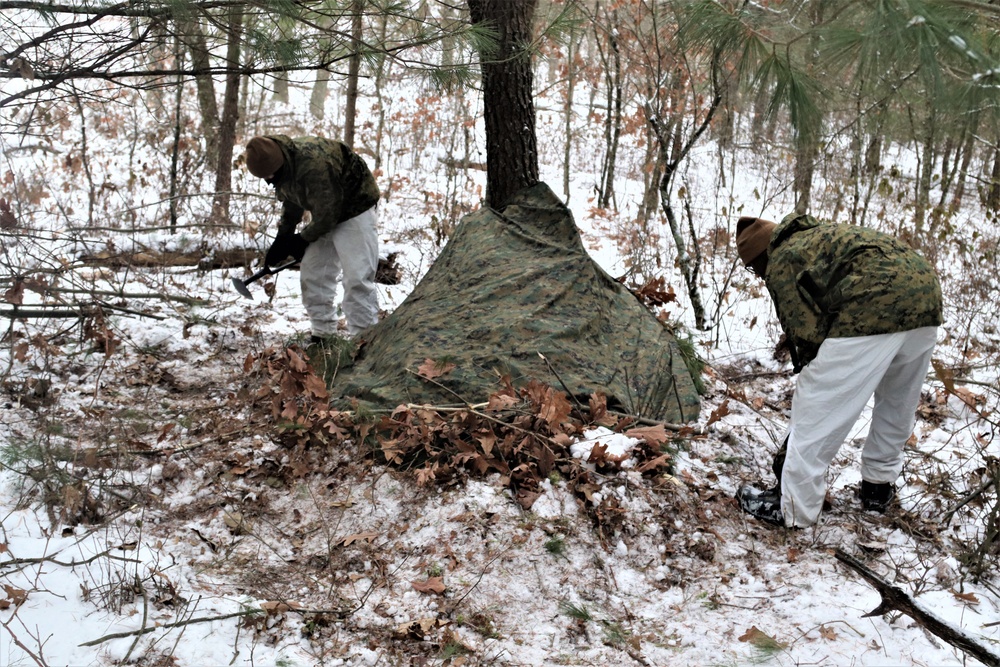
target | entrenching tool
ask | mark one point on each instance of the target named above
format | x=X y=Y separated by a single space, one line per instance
x=241 y=285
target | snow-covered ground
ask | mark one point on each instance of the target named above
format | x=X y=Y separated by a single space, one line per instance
x=172 y=538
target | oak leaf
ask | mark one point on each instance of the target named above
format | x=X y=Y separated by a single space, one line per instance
x=431 y=369
x=718 y=413
x=432 y=586
x=366 y=536
x=654 y=435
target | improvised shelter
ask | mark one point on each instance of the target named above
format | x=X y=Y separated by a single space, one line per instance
x=509 y=285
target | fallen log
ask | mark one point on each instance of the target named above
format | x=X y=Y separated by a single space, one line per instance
x=387 y=273
x=895 y=598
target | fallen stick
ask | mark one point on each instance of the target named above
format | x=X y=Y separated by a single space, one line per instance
x=895 y=598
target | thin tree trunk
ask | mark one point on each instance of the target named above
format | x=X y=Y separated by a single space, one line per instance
x=317 y=101
x=230 y=116
x=197 y=46
x=176 y=149
x=568 y=112
x=992 y=202
x=967 y=150
x=353 y=72
x=927 y=160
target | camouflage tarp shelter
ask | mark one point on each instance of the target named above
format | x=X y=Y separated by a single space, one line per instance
x=509 y=285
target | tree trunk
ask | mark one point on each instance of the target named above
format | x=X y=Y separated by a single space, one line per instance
x=230 y=115
x=993 y=191
x=568 y=111
x=927 y=159
x=967 y=151
x=194 y=39
x=807 y=140
x=176 y=148
x=353 y=71
x=612 y=123
x=509 y=113
x=317 y=101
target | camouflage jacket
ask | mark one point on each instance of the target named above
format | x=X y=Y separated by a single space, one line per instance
x=324 y=177
x=842 y=281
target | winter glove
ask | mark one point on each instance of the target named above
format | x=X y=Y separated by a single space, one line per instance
x=285 y=245
x=297 y=246
x=280 y=249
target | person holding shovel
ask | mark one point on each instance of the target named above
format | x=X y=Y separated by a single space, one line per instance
x=333 y=183
x=860 y=311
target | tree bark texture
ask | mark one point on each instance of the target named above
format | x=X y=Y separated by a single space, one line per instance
x=353 y=72
x=509 y=112
x=230 y=115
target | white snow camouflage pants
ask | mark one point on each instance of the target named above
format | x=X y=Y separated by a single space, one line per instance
x=830 y=394
x=351 y=250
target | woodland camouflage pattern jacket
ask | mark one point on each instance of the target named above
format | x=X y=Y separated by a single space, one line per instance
x=842 y=281
x=324 y=177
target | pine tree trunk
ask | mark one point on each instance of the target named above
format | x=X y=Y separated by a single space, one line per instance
x=353 y=72
x=508 y=106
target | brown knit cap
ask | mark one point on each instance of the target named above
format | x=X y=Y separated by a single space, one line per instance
x=753 y=235
x=264 y=157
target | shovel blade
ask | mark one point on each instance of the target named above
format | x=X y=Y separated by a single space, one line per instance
x=242 y=288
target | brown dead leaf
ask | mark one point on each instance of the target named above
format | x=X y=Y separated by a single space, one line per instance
x=15 y=294
x=652 y=464
x=828 y=633
x=965 y=597
x=366 y=536
x=275 y=607
x=760 y=639
x=970 y=398
x=487 y=441
x=21 y=351
x=555 y=407
x=431 y=369
x=654 y=435
x=15 y=596
x=500 y=402
x=946 y=375
x=3 y=548
x=718 y=413
x=432 y=586
x=7 y=218
x=793 y=554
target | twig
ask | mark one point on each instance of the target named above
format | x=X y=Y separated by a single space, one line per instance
x=72 y=563
x=696 y=430
x=37 y=658
x=167 y=626
x=895 y=598
x=145 y=619
x=946 y=519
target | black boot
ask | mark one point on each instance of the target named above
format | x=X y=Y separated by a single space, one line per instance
x=765 y=505
x=876 y=497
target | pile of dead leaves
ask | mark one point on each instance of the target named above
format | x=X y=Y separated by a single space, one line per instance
x=521 y=434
